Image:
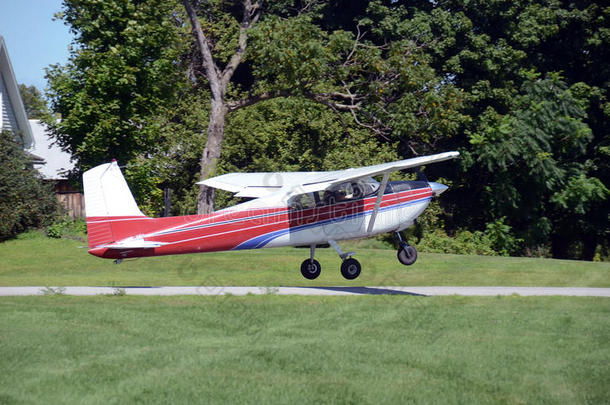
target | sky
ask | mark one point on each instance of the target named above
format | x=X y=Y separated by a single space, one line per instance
x=34 y=41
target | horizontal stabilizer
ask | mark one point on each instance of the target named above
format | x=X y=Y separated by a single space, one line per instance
x=135 y=244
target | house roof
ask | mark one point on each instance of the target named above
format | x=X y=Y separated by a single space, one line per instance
x=56 y=161
x=12 y=90
x=37 y=160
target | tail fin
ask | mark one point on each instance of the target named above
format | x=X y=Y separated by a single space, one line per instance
x=109 y=205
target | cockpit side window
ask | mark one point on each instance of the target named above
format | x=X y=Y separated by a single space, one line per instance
x=348 y=191
x=302 y=201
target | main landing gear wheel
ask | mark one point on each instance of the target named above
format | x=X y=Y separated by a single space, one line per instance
x=310 y=269
x=407 y=255
x=350 y=268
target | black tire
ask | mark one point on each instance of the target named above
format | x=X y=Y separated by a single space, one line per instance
x=407 y=255
x=310 y=269
x=350 y=268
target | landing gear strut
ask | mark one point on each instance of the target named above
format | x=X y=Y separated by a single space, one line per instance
x=407 y=254
x=310 y=268
x=350 y=268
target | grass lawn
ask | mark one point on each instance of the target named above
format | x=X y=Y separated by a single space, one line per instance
x=36 y=260
x=273 y=349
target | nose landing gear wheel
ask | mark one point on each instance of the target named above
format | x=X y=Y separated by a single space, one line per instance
x=407 y=255
x=310 y=269
x=350 y=268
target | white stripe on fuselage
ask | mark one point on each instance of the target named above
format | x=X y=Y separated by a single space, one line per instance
x=313 y=225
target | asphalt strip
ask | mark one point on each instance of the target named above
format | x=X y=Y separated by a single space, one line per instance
x=219 y=290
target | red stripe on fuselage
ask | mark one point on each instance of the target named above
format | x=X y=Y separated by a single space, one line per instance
x=226 y=230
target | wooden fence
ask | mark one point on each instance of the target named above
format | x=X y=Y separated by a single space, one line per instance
x=70 y=199
x=74 y=203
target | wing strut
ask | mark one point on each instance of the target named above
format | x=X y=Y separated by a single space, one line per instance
x=384 y=182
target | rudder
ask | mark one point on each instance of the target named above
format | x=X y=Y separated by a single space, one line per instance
x=108 y=201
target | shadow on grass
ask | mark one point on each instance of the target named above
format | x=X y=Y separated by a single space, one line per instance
x=366 y=290
x=351 y=290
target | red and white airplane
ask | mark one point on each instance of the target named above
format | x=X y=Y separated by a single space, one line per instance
x=288 y=209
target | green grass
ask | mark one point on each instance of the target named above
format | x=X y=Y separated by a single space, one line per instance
x=36 y=260
x=274 y=349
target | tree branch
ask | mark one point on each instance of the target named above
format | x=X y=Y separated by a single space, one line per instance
x=347 y=96
x=377 y=127
x=326 y=99
x=359 y=36
x=245 y=102
x=211 y=70
x=252 y=13
x=323 y=98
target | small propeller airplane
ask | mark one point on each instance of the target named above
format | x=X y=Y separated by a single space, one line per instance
x=287 y=209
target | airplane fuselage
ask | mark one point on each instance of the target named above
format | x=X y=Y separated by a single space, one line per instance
x=248 y=226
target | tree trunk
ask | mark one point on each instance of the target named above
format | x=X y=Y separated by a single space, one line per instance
x=211 y=153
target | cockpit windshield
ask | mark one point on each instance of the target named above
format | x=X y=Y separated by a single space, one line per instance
x=348 y=191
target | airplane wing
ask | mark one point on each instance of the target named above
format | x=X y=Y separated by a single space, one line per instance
x=263 y=184
x=257 y=184
x=329 y=179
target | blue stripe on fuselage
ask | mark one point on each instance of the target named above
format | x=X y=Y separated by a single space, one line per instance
x=262 y=240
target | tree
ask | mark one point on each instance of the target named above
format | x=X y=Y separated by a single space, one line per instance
x=533 y=166
x=25 y=201
x=176 y=156
x=379 y=82
x=123 y=68
x=35 y=105
x=218 y=81
x=173 y=89
x=487 y=50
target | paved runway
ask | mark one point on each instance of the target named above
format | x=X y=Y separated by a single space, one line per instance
x=218 y=290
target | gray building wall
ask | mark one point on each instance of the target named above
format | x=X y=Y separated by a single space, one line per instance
x=8 y=114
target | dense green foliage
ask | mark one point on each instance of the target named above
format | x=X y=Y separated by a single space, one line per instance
x=534 y=163
x=123 y=68
x=25 y=201
x=519 y=87
x=68 y=228
x=306 y=350
x=34 y=102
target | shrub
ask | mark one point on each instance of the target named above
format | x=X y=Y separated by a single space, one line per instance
x=25 y=200
x=464 y=243
x=68 y=228
x=502 y=239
